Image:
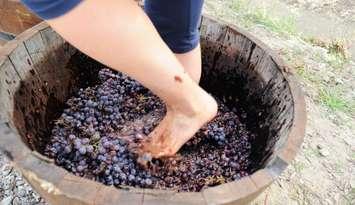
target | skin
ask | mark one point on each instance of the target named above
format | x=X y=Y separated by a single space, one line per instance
x=120 y=35
x=191 y=61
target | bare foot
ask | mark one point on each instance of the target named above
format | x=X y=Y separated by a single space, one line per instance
x=177 y=127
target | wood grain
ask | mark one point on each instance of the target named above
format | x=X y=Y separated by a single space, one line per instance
x=33 y=72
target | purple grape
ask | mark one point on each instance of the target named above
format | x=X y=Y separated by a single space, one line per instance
x=86 y=139
x=82 y=150
x=89 y=148
x=131 y=178
x=148 y=182
x=80 y=168
x=67 y=149
x=72 y=137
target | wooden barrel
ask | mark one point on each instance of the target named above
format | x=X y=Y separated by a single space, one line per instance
x=15 y=17
x=34 y=80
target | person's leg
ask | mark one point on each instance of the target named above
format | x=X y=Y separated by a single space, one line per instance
x=191 y=62
x=177 y=22
x=121 y=36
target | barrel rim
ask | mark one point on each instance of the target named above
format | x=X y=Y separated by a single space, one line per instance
x=32 y=164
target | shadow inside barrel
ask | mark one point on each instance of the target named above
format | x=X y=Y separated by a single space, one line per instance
x=259 y=89
x=41 y=97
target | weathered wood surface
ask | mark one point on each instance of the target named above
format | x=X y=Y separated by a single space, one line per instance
x=9 y=83
x=37 y=57
x=31 y=101
x=15 y=17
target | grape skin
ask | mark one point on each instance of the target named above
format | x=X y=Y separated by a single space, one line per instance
x=84 y=142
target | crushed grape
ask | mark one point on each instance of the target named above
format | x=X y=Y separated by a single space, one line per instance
x=89 y=139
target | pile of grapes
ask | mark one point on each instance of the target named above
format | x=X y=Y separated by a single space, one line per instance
x=89 y=139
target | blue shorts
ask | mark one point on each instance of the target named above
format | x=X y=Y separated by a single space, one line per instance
x=176 y=20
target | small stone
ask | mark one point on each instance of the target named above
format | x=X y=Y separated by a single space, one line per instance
x=20 y=182
x=324 y=152
x=9 y=182
x=5 y=170
x=339 y=81
x=6 y=201
x=21 y=192
x=36 y=197
x=8 y=192
x=352 y=183
x=17 y=201
x=328 y=201
x=349 y=141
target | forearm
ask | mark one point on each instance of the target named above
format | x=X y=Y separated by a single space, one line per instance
x=120 y=35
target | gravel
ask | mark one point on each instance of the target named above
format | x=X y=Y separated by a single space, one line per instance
x=14 y=190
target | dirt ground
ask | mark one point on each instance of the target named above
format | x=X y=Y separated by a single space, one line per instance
x=317 y=39
x=304 y=33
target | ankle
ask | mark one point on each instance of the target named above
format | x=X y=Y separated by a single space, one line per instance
x=202 y=107
x=209 y=107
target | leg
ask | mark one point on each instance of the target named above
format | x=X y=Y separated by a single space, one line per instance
x=177 y=22
x=121 y=36
x=191 y=61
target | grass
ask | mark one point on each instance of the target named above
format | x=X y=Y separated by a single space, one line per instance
x=333 y=99
x=299 y=166
x=338 y=168
x=306 y=74
x=338 y=54
x=335 y=46
x=238 y=5
x=330 y=95
x=337 y=61
x=262 y=16
x=337 y=51
x=335 y=57
x=310 y=152
x=285 y=25
x=318 y=68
